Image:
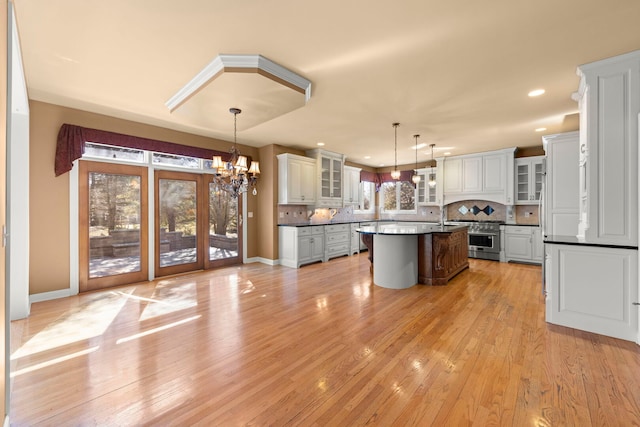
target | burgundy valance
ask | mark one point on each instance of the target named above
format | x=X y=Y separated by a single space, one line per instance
x=379 y=178
x=72 y=138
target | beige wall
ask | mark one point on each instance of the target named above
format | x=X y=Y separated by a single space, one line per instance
x=49 y=195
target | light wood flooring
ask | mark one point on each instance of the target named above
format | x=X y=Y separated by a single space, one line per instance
x=318 y=346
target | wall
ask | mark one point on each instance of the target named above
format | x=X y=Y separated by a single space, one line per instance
x=4 y=331
x=49 y=195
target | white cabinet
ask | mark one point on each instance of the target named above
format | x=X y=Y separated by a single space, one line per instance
x=429 y=195
x=351 y=187
x=301 y=245
x=452 y=175
x=609 y=103
x=328 y=177
x=529 y=176
x=559 y=214
x=354 y=240
x=296 y=179
x=593 y=289
x=484 y=176
x=337 y=240
x=523 y=244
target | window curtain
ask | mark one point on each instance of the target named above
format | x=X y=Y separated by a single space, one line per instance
x=379 y=178
x=71 y=140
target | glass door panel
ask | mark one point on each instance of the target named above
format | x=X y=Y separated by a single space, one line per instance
x=224 y=240
x=178 y=231
x=113 y=226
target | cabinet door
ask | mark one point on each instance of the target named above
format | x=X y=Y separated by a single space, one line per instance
x=518 y=246
x=304 y=248
x=537 y=247
x=452 y=176
x=317 y=247
x=472 y=174
x=431 y=190
x=493 y=172
x=336 y=178
x=593 y=289
x=537 y=178
x=325 y=177
x=308 y=181
x=523 y=186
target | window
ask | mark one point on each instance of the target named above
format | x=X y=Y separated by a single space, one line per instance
x=103 y=151
x=367 y=197
x=398 y=197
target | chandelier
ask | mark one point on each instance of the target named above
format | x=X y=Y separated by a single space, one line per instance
x=232 y=176
x=396 y=173
x=416 y=178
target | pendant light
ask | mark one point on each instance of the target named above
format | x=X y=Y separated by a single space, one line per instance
x=416 y=178
x=432 y=180
x=233 y=176
x=396 y=173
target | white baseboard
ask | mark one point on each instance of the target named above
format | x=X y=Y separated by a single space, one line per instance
x=263 y=261
x=46 y=296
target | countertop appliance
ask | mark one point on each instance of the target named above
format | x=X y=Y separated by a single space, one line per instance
x=484 y=238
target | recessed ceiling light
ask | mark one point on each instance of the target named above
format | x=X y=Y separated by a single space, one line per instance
x=320 y=144
x=367 y=157
x=448 y=153
x=536 y=92
x=540 y=129
x=419 y=146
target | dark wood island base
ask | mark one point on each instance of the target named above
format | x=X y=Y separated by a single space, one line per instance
x=441 y=256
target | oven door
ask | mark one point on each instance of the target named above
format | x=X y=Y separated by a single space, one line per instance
x=487 y=242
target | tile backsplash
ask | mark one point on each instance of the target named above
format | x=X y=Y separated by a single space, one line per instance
x=476 y=210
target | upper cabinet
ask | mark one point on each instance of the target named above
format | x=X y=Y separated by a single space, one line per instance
x=485 y=176
x=296 y=179
x=351 y=187
x=609 y=104
x=528 y=179
x=328 y=177
x=429 y=187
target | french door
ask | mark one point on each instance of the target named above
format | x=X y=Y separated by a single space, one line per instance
x=179 y=233
x=197 y=225
x=113 y=225
x=224 y=224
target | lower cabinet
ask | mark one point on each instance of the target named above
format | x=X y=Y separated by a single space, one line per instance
x=354 y=241
x=522 y=244
x=593 y=289
x=301 y=245
x=337 y=240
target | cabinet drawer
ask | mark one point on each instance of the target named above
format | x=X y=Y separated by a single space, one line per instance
x=336 y=228
x=338 y=248
x=316 y=229
x=519 y=230
x=337 y=237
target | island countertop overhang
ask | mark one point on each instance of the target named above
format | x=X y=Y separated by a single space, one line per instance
x=406 y=229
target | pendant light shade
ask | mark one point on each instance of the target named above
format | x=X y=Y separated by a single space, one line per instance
x=416 y=178
x=396 y=173
x=432 y=181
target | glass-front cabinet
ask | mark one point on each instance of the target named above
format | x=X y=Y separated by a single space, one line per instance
x=329 y=177
x=529 y=178
x=428 y=187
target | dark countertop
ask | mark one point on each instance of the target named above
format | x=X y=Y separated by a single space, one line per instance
x=399 y=229
x=354 y=221
x=573 y=240
x=524 y=225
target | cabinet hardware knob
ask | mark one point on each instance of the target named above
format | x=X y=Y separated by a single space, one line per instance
x=635 y=303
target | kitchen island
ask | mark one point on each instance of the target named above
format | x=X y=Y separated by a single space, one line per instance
x=402 y=255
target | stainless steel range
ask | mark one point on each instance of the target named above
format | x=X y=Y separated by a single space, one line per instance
x=484 y=238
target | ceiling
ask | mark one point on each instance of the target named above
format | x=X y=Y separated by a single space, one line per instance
x=455 y=72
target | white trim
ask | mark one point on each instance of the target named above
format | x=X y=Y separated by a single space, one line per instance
x=151 y=221
x=46 y=296
x=244 y=225
x=74 y=229
x=220 y=62
x=262 y=260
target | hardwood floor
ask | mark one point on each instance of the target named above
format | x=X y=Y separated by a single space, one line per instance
x=261 y=345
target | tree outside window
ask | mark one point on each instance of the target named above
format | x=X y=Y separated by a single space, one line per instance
x=398 y=197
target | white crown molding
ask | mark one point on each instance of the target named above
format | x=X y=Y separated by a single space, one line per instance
x=222 y=62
